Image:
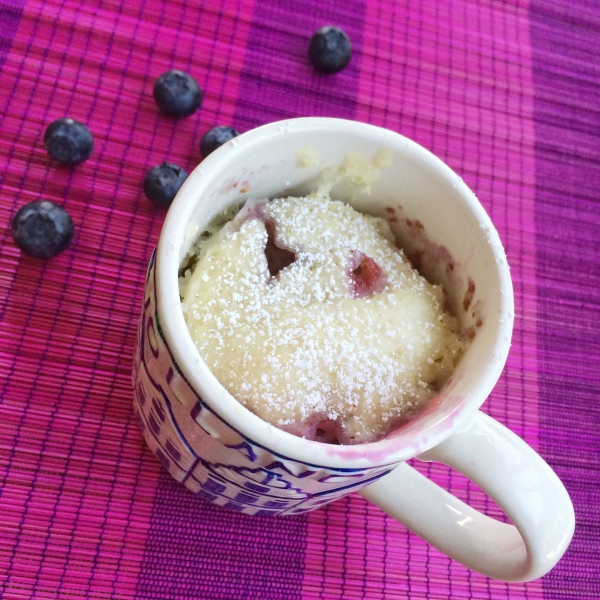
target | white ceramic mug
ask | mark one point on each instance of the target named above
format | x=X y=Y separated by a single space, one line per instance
x=227 y=455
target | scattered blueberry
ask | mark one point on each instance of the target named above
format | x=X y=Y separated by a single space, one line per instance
x=42 y=229
x=177 y=94
x=329 y=50
x=68 y=141
x=214 y=138
x=162 y=183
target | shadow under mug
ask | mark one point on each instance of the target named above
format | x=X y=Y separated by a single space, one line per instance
x=227 y=455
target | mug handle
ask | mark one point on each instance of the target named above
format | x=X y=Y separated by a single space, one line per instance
x=513 y=475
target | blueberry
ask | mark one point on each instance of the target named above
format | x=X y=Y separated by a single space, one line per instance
x=214 y=138
x=162 y=183
x=177 y=94
x=329 y=50
x=68 y=141
x=42 y=229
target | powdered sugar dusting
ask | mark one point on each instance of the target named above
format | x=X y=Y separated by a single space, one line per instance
x=307 y=349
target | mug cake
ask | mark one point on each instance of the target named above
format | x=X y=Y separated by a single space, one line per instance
x=313 y=318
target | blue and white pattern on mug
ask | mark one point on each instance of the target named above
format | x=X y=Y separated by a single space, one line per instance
x=206 y=454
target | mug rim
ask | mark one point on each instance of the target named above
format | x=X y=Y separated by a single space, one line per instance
x=387 y=451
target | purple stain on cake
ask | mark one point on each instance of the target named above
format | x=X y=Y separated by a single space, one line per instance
x=366 y=275
x=319 y=428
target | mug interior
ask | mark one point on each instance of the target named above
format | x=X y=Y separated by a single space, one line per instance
x=437 y=221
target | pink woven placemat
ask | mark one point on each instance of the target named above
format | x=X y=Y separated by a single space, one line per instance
x=505 y=92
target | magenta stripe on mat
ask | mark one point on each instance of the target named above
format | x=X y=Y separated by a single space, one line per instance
x=76 y=506
x=565 y=39
x=198 y=550
x=77 y=482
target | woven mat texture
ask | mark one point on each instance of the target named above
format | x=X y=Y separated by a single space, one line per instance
x=506 y=92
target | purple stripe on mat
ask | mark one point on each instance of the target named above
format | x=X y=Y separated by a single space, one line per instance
x=10 y=16
x=565 y=40
x=278 y=81
x=217 y=553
